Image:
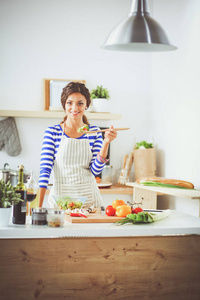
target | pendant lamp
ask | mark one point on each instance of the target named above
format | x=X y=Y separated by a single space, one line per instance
x=138 y=32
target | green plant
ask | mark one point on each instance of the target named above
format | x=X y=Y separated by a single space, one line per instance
x=160 y=184
x=8 y=195
x=143 y=145
x=144 y=217
x=100 y=92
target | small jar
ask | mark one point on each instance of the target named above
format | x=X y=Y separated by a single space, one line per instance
x=55 y=217
x=39 y=216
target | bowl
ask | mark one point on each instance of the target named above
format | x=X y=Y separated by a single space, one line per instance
x=67 y=203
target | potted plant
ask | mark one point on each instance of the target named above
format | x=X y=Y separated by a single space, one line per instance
x=99 y=97
x=8 y=196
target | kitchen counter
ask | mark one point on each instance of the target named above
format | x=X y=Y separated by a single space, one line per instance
x=102 y=261
x=176 y=224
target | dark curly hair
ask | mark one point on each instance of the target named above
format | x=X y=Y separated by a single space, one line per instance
x=75 y=87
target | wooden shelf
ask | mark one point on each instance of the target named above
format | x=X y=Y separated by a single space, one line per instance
x=55 y=114
x=121 y=190
x=185 y=193
x=142 y=191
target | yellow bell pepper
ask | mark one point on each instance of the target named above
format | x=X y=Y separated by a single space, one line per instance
x=123 y=210
x=117 y=202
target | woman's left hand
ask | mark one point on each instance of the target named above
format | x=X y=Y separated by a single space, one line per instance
x=110 y=134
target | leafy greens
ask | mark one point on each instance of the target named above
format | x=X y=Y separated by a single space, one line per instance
x=144 y=217
x=144 y=144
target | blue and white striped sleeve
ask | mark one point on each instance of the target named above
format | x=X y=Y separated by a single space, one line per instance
x=96 y=166
x=47 y=157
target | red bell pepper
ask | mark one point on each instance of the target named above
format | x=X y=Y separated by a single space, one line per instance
x=77 y=215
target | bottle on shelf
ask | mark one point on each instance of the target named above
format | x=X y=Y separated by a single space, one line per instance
x=19 y=209
x=32 y=193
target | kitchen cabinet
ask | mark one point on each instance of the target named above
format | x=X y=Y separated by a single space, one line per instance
x=102 y=261
x=56 y=114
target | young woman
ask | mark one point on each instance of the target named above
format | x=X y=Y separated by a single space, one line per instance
x=74 y=157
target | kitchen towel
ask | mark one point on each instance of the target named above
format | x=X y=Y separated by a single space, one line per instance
x=9 y=137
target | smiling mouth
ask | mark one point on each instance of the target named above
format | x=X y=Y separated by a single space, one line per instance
x=74 y=113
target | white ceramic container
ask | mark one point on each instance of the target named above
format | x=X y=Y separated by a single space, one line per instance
x=5 y=216
x=100 y=105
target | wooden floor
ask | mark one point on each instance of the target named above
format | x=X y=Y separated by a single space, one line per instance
x=100 y=268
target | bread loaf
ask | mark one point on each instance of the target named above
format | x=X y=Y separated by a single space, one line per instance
x=177 y=182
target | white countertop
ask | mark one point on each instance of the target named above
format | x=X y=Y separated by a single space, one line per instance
x=176 y=224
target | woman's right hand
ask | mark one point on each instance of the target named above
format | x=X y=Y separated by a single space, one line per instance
x=110 y=134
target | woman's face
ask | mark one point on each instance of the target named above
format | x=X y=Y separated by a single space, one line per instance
x=75 y=106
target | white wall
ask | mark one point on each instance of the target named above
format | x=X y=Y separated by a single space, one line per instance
x=62 y=39
x=176 y=98
x=154 y=92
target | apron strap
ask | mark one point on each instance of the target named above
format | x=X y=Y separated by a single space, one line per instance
x=63 y=129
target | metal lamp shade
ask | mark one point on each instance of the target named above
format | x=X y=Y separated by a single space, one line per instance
x=138 y=32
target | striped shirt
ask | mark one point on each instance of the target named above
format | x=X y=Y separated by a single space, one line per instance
x=50 y=146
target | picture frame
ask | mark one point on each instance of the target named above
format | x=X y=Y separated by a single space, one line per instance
x=52 y=92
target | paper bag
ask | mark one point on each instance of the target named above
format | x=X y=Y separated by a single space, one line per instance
x=145 y=162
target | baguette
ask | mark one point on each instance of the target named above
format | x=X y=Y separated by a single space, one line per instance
x=177 y=182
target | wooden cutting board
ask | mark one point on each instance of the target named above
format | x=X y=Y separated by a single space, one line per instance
x=93 y=218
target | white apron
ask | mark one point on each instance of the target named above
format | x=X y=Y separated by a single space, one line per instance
x=72 y=176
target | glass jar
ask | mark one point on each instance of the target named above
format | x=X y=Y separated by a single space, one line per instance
x=55 y=217
x=39 y=216
x=106 y=176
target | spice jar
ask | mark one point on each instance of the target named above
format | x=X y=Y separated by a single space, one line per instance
x=39 y=216
x=55 y=217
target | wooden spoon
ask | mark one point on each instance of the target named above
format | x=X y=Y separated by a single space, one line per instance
x=128 y=168
x=123 y=169
x=103 y=130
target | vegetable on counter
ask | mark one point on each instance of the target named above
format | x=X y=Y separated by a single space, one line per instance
x=144 y=217
x=110 y=211
x=136 y=210
x=123 y=210
x=164 y=182
x=118 y=208
x=117 y=202
x=78 y=215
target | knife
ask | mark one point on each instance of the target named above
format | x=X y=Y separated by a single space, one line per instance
x=152 y=210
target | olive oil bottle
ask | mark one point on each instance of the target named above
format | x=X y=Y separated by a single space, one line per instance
x=19 y=209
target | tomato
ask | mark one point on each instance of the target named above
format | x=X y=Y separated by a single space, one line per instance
x=117 y=203
x=137 y=210
x=110 y=211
